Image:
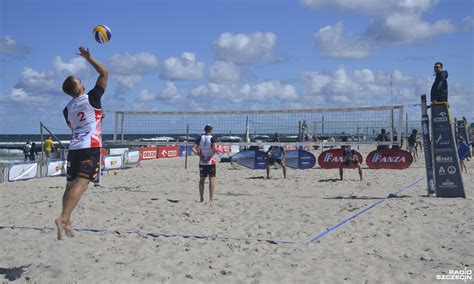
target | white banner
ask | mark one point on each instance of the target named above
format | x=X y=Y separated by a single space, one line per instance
x=132 y=157
x=117 y=151
x=55 y=168
x=23 y=171
x=113 y=162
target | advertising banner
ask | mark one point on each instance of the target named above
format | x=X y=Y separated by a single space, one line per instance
x=22 y=171
x=113 y=162
x=332 y=159
x=393 y=159
x=425 y=126
x=183 y=149
x=117 y=151
x=168 y=152
x=131 y=158
x=448 y=179
x=55 y=168
x=147 y=153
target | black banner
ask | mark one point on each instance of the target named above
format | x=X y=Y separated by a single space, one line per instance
x=425 y=126
x=448 y=179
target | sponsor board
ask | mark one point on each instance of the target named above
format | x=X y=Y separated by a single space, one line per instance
x=394 y=159
x=448 y=178
x=55 y=168
x=117 y=151
x=168 y=152
x=113 y=162
x=332 y=159
x=22 y=171
x=131 y=157
x=147 y=153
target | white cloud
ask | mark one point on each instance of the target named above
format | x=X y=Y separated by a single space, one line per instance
x=468 y=23
x=372 y=7
x=19 y=95
x=406 y=28
x=395 y=22
x=169 y=93
x=133 y=64
x=224 y=72
x=333 y=43
x=361 y=87
x=75 y=65
x=125 y=83
x=184 y=68
x=244 y=48
x=37 y=82
x=146 y=96
x=9 y=47
x=273 y=92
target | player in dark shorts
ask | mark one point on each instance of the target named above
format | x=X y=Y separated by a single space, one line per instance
x=83 y=114
x=276 y=154
x=206 y=148
x=350 y=157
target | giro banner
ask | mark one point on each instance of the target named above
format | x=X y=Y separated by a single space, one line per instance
x=447 y=172
x=113 y=162
x=55 y=168
x=147 y=153
x=332 y=159
x=168 y=152
x=392 y=159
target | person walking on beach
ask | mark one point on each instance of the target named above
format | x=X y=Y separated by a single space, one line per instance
x=439 y=90
x=463 y=151
x=48 y=147
x=276 y=154
x=350 y=157
x=206 y=149
x=83 y=115
x=26 y=150
x=32 y=151
x=412 y=144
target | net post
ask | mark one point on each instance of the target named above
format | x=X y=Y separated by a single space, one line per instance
x=116 y=126
x=121 y=127
x=186 y=147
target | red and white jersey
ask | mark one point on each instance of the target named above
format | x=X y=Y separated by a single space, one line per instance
x=86 y=123
x=205 y=146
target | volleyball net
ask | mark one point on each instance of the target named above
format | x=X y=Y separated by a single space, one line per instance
x=360 y=125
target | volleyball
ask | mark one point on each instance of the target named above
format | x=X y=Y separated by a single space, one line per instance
x=102 y=34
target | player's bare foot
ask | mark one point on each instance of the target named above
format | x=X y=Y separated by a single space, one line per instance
x=68 y=231
x=60 y=226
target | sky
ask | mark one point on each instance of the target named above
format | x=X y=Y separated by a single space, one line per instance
x=188 y=55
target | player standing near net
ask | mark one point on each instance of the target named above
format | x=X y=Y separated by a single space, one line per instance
x=276 y=154
x=206 y=149
x=83 y=115
x=350 y=157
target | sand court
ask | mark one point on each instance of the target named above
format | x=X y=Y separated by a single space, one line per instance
x=401 y=239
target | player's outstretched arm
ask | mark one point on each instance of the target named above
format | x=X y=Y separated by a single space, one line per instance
x=103 y=73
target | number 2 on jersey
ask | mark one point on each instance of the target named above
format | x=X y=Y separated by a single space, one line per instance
x=81 y=114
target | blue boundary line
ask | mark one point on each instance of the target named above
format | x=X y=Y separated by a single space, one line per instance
x=317 y=237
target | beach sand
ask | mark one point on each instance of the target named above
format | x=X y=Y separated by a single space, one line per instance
x=407 y=239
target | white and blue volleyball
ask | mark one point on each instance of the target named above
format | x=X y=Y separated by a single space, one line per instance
x=102 y=34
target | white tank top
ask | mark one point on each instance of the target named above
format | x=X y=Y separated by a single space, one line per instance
x=205 y=146
x=86 y=123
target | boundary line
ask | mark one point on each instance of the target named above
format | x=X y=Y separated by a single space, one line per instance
x=317 y=237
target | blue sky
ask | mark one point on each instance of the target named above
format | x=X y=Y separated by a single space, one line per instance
x=236 y=55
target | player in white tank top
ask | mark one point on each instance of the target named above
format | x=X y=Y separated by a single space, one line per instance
x=83 y=114
x=206 y=149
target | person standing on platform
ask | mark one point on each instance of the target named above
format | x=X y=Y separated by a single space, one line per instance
x=439 y=90
x=206 y=149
